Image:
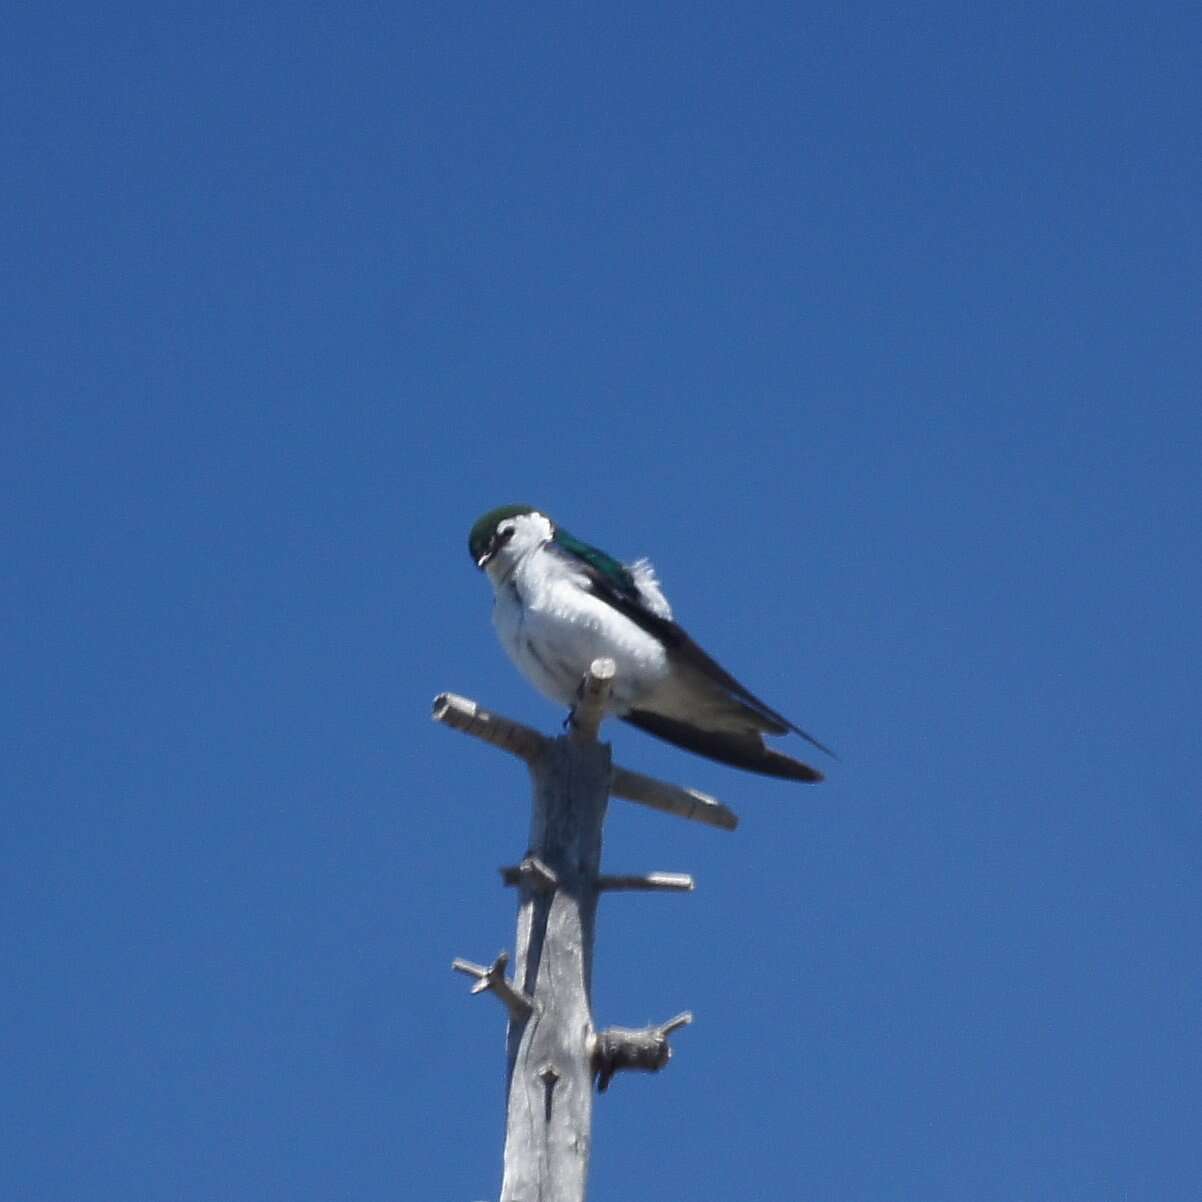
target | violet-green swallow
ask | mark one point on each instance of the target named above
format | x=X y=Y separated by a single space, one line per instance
x=560 y=604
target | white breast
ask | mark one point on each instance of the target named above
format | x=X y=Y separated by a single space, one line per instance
x=553 y=628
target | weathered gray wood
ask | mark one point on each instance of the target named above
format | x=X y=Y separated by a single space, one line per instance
x=672 y=799
x=531 y=869
x=553 y=1052
x=549 y=1105
x=593 y=694
x=463 y=714
x=671 y=882
x=619 y=1048
x=493 y=978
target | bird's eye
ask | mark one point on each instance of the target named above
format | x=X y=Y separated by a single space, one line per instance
x=505 y=534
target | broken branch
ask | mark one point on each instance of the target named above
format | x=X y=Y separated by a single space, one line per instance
x=620 y=1048
x=493 y=979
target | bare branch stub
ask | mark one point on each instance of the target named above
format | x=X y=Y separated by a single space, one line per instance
x=493 y=979
x=619 y=1048
x=672 y=799
x=672 y=882
x=463 y=714
x=532 y=871
x=594 y=692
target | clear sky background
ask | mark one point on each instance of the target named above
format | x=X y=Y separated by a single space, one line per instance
x=875 y=326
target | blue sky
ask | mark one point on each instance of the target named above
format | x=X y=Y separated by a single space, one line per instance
x=876 y=328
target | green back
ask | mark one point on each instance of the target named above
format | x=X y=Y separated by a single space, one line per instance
x=615 y=574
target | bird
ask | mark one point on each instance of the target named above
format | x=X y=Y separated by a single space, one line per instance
x=559 y=603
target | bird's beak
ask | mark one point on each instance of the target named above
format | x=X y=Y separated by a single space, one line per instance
x=489 y=552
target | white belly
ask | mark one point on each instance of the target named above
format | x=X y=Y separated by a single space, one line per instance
x=562 y=629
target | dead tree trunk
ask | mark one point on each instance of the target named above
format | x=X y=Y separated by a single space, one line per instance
x=554 y=1053
x=550 y=1099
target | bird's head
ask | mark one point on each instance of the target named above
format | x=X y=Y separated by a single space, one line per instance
x=504 y=535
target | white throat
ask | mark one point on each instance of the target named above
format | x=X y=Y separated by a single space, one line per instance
x=530 y=532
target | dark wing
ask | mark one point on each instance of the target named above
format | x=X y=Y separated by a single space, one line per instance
x=740 y=750
x=612 y=580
